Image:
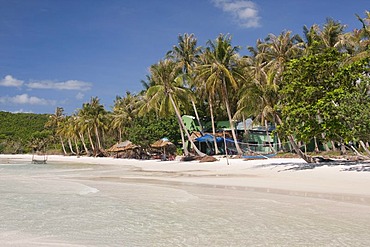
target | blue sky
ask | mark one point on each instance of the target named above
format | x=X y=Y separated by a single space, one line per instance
x=60 y=53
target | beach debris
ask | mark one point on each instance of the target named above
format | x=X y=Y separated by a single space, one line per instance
x=188 y=158
x=208 y=159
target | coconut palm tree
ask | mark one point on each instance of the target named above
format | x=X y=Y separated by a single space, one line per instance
x=168 y=94
x=357 y=42
x=124 y=111
x=186 y=54
x=220 y=73
x=94 y=115
x=276 y=51
x=329 y=36
x=55 y=122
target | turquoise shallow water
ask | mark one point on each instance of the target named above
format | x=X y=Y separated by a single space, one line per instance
x=94 y=205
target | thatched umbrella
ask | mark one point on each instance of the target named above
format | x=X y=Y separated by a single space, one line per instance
x=162 y=143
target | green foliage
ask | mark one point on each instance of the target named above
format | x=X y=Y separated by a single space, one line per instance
x=148 y=129
x=324 y=95
x=18 y=130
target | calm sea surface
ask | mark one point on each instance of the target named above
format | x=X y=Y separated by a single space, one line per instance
x=99 y=205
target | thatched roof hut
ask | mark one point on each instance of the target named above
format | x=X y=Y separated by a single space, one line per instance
x=123 y=146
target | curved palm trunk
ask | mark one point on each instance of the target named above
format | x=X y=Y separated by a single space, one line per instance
x=213 y=125
x=83 y=142
x=238 y=149
x=196 y=115
x=76 y=146
x=91 y=140
x=184 y=128
x=63 y=147
x=365 y=148
x=184 y=146
x=70 y=146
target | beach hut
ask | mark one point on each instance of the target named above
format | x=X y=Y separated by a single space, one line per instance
x=122 y=147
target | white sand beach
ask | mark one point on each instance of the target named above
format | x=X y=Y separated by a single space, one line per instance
x=274 y=175
x=87 y=201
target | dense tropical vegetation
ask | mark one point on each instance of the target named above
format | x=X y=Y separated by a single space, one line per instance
x=312 y=87
x=22 y=131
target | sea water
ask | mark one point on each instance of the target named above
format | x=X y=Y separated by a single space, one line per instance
x=100 y=205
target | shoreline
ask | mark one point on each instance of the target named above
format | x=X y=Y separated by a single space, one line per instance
x=274 y=175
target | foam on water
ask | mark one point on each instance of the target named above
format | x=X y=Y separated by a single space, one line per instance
x=88 y=190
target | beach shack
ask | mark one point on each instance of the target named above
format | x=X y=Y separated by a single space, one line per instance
x=251 y=137
x=258 y=138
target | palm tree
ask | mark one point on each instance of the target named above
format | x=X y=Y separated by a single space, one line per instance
x=167 y=95
x=93 y=115
x=80 y=129
x=276 y=51
x=357 y=42
x=206 y=95
x=124 y=111
x=220 y=73
x=186 y=54
x=318 y=39
x=55 y=122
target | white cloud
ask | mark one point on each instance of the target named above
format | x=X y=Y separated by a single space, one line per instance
x=10 y=81
x=22 y=111
x=67 y=85
x=25 y=99
x=244 y=12
x=80 y=96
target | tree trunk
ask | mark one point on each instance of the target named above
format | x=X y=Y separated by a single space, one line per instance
x=184 y=128
x=365 y=148
x=269 y=138
x=196 y=115
x=184 y=146
x=91 y=140
x=97 y=136
x=83 y=142
x=213 y=125
x=298 y=151
x=358 y=153
x=70 y=146
x=76 y=145
x=280 y=147
x=238 y=149
x=326 y=147
x=333 y=146
x=63 y=147
x=119 y=135
x=316 y=145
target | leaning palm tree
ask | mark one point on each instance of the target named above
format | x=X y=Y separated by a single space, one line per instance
x=94 y=116
x=186 y=54
x=167 y=95
x=220 y=73
x=55 y=122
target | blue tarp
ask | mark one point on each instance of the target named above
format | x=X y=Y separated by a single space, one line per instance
x=208 y=138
